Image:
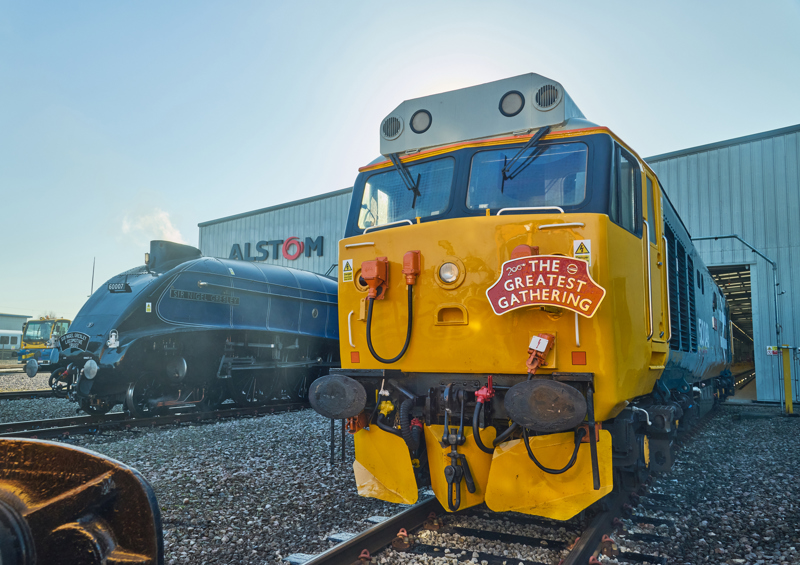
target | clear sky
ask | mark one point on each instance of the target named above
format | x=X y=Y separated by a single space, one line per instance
x=122 y=122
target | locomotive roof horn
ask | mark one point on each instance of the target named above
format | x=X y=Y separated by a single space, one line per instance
x=517 y=104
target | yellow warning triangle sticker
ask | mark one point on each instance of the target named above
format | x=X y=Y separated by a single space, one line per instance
x=348 y=267
x=581 y=249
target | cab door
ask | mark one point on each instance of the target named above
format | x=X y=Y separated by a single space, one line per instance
x=655 y=264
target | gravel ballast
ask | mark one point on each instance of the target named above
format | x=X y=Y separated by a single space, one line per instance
x=12 y=379
x=252 y=490
x=255 y=490
x=737 y=486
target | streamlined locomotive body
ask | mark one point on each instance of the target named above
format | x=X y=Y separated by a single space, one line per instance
x=525 y=320
x=187 y=330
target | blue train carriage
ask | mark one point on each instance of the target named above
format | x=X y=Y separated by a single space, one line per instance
x=40 y=341
x=186 y=330
x=697 y=373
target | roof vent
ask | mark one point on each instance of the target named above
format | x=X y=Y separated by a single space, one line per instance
x=392 y=127
x=547 y=96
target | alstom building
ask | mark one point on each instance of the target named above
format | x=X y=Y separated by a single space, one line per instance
x=748 y=187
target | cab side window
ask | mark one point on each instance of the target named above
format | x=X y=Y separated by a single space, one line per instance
x=625 y=203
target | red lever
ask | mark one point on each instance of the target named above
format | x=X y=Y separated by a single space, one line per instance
x=485 y=393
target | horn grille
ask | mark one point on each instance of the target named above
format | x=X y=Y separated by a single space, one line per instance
x=392 y=127
x=547 y=96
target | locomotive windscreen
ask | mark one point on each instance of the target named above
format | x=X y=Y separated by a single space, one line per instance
x=547 y=175
x=386 y=199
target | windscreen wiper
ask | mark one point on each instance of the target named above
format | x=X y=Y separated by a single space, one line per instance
x=507 y=165
x=405 y=176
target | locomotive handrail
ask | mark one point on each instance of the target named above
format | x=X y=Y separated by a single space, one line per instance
x=666 y=274
x=363 y=244
x=350 y=329
x=410 y=223
x=202 y=284
x=501 y=210
x=565 y=225
x=646 y=239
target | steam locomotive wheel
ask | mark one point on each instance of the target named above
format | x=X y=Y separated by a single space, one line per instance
x=59 y=387
x=94 y=409
x=248 y=389
x=137 y=398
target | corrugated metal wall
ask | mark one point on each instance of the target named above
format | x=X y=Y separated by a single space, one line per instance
x=751 y=187
x=12 y=321
x=323 y=215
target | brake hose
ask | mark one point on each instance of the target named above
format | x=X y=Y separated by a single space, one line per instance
x=386 y=427
x=476 y=432
x=405 y=424
x=502 y=437
x=578 y=437
x=408 y=331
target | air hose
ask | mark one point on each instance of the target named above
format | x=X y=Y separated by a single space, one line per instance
x=405 y=425
x=476 y=432
x=408 y=331
x=504 y=436
x=578 y=437
x=386 y=427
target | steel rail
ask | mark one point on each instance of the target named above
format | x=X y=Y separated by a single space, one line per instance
x=91 y=424
x=22 y=394
x=379 y=536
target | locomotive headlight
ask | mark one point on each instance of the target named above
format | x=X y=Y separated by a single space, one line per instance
x=448 y=272
x=90 y=369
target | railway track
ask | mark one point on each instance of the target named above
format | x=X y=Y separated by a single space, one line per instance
x=24 y=394
x=625 y=527
x=480 y=536
x=65 y=427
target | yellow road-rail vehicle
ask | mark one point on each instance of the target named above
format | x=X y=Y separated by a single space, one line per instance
x=40 y=340
x=524 y=320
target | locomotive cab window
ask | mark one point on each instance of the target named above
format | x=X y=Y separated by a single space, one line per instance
x=386 y=199
x=13 y=340
x=625 y=200
x=546 y=175
x=60 y=329
x=4 y=340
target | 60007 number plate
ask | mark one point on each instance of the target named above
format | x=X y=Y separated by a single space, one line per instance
x=119 y=287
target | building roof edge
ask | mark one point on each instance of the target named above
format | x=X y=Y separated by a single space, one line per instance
x=277 y=207
x=727 y=143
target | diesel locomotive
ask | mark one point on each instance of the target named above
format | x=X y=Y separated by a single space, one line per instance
x=525 y=321
x=187 y=331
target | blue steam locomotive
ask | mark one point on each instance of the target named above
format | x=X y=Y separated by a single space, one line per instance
x=185 y=330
